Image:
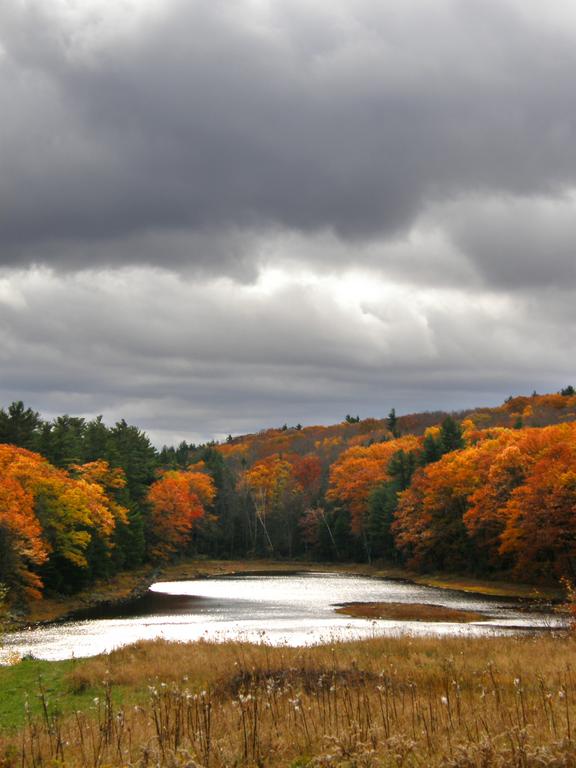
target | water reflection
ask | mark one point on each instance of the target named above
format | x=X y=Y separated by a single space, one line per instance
x=293 y=609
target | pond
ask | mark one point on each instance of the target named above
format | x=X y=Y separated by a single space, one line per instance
x=291 y=609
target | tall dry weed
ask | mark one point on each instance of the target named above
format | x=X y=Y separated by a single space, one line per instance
x=455 y=703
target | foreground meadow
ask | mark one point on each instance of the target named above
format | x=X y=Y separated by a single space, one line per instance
x=382 y=702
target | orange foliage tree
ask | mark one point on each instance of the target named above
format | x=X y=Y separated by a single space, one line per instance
x=177 y=499
x=524 y=513
x=503 y=470
x=45 y=511
x=359 y=471
x=429 y=528
x=507 y=502
x=540 y=531
x=21 y=543
x=307 y=474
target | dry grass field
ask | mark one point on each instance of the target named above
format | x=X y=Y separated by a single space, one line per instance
x=451 y=702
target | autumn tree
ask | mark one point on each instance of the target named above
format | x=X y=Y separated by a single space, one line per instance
x=50 y=516
x=307 y=476
x=178 y=499
x=506 y=502
x=266 y=481
x=429 y=528
x=75 y=513
x=504 y=470
x=22 y=548
x=359 y=471
x=301 y=493
x=105 y=553
x=540 y=529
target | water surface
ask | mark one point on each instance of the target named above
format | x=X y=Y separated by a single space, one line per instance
x=292 y=609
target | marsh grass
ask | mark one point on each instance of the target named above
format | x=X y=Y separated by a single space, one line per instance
x=409 y=612
x=450 y=702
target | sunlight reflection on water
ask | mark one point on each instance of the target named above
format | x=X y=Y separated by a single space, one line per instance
x=290 y=609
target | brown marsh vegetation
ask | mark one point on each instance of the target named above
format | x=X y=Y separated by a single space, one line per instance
x=408 y=612
x=453 y=702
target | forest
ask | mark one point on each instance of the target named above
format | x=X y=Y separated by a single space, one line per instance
x=490 y=492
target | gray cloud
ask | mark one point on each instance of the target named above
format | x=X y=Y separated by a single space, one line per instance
x=524 y=243
x=219 y=216
x=189 y=360
x=216 y=118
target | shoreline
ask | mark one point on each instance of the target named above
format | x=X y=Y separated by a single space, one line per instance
x=130 y=585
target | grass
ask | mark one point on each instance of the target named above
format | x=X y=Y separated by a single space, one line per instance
x=408 y=702
x=408 y=612
x=23 y=684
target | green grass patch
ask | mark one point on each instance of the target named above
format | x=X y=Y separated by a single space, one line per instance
x=32 y=680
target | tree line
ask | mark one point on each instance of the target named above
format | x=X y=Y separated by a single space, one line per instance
x=81 y=500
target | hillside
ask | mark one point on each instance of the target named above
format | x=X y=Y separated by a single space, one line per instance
x=489 y=492
x=520 y=411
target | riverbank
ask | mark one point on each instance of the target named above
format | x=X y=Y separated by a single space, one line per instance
x=132 y=584
x=486 y=587
x=53 y=608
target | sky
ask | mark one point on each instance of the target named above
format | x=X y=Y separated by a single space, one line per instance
x=218 y=216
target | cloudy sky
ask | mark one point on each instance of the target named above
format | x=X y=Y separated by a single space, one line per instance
x=222 y=215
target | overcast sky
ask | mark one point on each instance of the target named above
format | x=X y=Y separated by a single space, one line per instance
x=222 y=215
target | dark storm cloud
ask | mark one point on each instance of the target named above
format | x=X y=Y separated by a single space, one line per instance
x=213 y=121
x=251 y=212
